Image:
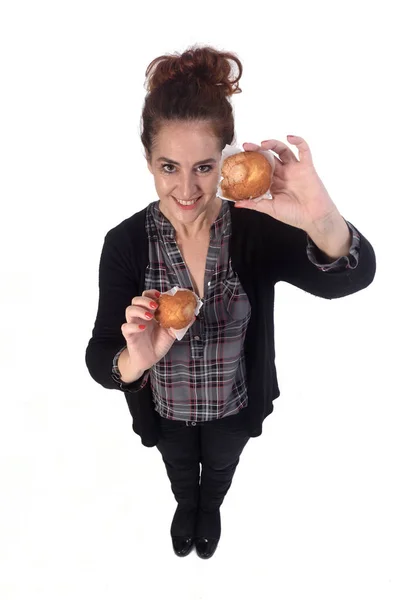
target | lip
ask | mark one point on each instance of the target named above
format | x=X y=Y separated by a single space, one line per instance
x=190 y=207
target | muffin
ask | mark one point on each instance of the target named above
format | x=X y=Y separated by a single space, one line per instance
x=176 y=311
x=246 y=175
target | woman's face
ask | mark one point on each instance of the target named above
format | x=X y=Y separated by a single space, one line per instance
x=185 y=165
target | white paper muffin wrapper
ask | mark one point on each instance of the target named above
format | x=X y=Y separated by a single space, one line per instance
x=179 y=333
x=229 y=151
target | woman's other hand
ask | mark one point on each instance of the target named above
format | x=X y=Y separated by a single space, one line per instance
x=299 y=197
x=146 y=341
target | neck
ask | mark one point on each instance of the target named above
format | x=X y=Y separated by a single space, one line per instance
x=200 y=226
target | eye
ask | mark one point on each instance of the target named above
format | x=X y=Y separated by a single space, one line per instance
x=208 y=167
x=169 y=168
x=167 y=165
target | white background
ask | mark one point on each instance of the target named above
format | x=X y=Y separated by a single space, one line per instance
x=84 y=507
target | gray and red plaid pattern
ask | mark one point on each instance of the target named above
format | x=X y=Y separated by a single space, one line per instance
x=203 y=376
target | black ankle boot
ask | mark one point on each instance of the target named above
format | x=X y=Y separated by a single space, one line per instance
x=208 y=532
x=205 y=547
x=183 y=530
x=182 y=545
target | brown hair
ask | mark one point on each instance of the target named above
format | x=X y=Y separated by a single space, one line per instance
x=192 y=86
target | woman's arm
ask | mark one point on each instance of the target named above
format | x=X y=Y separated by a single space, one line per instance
x=291 y=262
x=117 y=286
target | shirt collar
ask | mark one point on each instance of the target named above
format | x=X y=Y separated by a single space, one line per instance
x=163 y=225
x=167 y=231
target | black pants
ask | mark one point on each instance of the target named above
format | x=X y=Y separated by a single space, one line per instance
x=216 y=446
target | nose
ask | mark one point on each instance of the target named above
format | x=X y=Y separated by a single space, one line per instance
x=187 y=188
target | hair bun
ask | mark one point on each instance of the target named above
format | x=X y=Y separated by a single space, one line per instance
x=205 y=66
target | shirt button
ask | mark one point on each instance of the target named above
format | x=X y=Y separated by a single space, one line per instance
x=197 y=338
x=193 y=423
x=209 y=283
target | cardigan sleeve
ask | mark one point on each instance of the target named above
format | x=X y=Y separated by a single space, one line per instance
x=350 y=261
x=135 y=386
x=292 y=262
x=118 y=284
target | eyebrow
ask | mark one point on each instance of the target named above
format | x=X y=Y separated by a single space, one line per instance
x=174 y=162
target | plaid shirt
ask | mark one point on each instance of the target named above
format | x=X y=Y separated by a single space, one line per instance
x=203 y=376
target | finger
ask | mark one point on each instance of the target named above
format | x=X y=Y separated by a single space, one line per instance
x=279 y=171
x=285 y=154
x=278 y=167
x=129 y=329
x=134 y=312
x=155 y=294
x=303 y=147
x=145 y=301
x=248 y=146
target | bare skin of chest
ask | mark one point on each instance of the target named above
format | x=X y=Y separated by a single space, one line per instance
x=194 y=253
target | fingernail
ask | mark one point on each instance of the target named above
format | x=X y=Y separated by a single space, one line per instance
x=142 y=326
x=153 y=304
x=157 y=294
x=148 y=315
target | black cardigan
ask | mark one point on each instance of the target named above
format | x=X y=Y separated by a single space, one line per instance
x=263 y=251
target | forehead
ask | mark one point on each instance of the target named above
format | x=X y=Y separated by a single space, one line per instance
x=186 y=142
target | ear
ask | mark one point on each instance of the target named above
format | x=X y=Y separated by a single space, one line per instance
x=148 y=160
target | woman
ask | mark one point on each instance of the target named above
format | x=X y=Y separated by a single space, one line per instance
x=201 y=399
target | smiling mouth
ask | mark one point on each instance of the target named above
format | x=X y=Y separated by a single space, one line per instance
x=189 y=203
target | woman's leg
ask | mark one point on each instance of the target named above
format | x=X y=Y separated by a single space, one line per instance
x=222 y=443
x=180 y=450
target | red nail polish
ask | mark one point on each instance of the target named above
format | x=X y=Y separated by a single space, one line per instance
x=142 y=326
x=153 y=304
x=157 y=294
x=148 y=315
